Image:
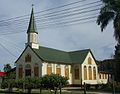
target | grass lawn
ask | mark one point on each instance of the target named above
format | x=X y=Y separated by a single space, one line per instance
x=36 y=91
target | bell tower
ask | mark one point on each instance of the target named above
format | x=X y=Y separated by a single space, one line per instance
x=32 y=33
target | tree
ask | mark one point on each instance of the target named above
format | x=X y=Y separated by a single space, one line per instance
x=110 y=11
x=117 y=63
x=29 y=83
x=7 y=67
x=9 y=81
x=54 y=82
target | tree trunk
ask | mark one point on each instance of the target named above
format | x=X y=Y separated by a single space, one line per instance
x=56 y=91
x=29 y=91
x=9 y=87
x=60 y=90
x=40 y=90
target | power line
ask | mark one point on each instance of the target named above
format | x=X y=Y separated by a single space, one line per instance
x=11 y=42
x=7 y=50
x=72 y=3
x=71 y=21
x=63 y=15
x=68 y=23
x=56 y=15
x=45 y=25
x=69 y=13
x=48 y=14
x=71 y=8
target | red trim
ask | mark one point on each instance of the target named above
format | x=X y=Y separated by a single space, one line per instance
x=2 y=74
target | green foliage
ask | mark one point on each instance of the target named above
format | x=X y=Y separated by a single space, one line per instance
x=54 y=82
x=19 y=83
x=28 y=83
x=50 y=82
x=9 y=80
x=7 y=67
x=110 y=11
x=117 y=63
x=4 y=84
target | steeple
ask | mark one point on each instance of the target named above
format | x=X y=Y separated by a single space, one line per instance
x=32 y=24
x=32 y=32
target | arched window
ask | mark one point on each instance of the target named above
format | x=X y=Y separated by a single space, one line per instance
x=28 y=58
x=28 y=70
x=89 y=61
x=94 y=73
x=36 y=70
x=85 y=73
x=49 y=68
x=76 y=72
x=20 y=71
x=67 y=71
x=58 y=69
x=90 y=73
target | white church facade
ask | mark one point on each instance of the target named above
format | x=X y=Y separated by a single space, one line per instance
x=35 y=61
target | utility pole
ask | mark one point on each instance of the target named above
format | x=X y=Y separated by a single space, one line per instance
x=84 y=88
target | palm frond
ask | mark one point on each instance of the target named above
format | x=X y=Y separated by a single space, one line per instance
x=104 y=18
x=117 y=28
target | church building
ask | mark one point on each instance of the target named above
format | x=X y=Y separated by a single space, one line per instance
x=35 y=61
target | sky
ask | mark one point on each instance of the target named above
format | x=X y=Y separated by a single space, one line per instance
x=67 y=37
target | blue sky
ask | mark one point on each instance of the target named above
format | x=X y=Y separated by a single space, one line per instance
x=67 y=38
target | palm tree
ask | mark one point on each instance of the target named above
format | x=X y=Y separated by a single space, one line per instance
x=7 y=67
x=110 y=11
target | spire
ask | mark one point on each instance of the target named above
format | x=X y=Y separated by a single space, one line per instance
x=32 y=24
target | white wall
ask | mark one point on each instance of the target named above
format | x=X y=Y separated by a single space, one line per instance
x=44 y=70
x=34 y=60
x=85 y=63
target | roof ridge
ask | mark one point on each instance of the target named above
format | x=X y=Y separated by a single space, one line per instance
x=53 y=49
x=80 y=50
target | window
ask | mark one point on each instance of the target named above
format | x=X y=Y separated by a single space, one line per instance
x=28 y=70
x=94 y=73
x=90 y=73
x=76 y=72
x=85 y=73
x=58 y=69
x=89 y=60
x=105 y=76
x=20 y=71
x=28 y=58
x=49 y=68
x=36 y=70
x=100 y=76
x=67 y=71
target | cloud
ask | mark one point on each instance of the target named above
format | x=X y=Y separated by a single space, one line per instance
x=67 y=38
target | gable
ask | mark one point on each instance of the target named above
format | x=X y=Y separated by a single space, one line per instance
x=89 y=59
x=28 y=51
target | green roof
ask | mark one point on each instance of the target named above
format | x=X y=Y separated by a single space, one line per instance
x=79 y=56
x=53 y=55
